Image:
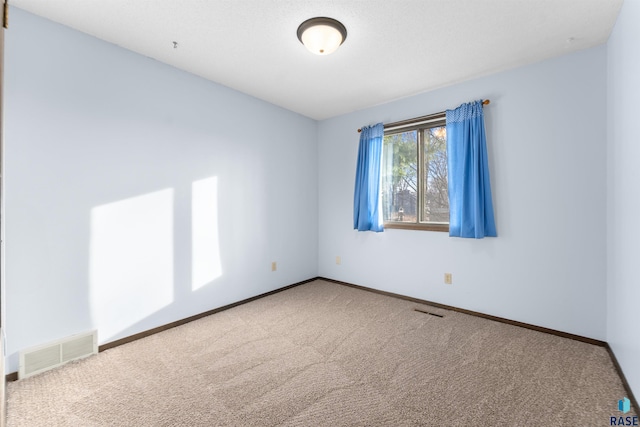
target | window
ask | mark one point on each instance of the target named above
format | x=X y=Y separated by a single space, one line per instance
x=415 y=191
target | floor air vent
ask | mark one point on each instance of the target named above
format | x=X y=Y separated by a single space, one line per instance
x=428 y=312
x=48 y=356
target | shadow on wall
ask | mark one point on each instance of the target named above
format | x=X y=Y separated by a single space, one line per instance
x=131 y=261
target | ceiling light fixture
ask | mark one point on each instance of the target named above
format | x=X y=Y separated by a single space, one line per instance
x=322 y=35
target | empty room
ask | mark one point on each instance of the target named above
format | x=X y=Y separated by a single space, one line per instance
x=292 y=213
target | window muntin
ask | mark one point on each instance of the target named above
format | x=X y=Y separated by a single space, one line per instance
x=414 y=177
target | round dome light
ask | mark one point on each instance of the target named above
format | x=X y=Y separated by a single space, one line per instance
x=322 y=36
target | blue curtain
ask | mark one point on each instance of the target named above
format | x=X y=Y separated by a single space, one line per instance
x=470 y=206
x=366 y=199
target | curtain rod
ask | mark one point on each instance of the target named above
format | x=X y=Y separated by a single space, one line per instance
x=419 y=119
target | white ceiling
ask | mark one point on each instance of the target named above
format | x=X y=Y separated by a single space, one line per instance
x=394 y=48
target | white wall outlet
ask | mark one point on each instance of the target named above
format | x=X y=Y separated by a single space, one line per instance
x=448 y=278
x=274 y=266
x=338 y=260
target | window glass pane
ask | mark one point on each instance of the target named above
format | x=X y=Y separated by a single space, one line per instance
x=400 y=177
x=436 y=191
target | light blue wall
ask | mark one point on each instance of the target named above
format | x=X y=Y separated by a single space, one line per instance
x=89 y=124
x=623 y=277
x=546 y=132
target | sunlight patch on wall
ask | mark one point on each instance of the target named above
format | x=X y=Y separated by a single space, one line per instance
x=131 y=261
x=205 y=246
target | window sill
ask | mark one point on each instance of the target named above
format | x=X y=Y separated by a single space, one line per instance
x=414 y=226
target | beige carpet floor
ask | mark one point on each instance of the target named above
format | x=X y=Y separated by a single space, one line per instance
x=323 y=354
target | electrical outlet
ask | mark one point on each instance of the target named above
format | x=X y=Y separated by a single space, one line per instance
x=338 y=260
x=448 y=279
x=274 y=266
